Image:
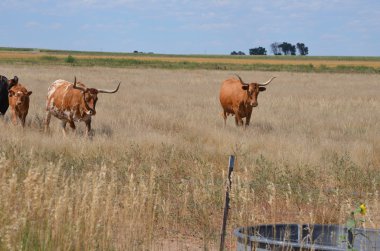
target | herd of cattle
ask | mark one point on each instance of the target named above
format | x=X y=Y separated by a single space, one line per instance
x=69 y=102
x=74 y=102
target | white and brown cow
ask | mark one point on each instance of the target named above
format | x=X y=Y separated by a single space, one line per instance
x=72 y=102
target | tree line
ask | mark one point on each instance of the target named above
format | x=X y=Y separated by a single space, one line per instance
x=278 y=49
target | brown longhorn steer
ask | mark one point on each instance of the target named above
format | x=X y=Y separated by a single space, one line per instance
x=19 y=103
x=238 y=98
x=72 y=102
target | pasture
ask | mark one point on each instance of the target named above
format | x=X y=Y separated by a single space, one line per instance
x=154 y=174
x=208 y=62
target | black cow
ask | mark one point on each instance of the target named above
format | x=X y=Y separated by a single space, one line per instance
x=5 y=85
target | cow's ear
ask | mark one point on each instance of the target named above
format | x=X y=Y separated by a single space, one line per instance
x=15 y=79
x=245 y=87
x=29 y=93
x=11 y=93
x=261 y=89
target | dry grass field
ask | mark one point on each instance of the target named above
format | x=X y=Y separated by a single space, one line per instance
x=153 y=177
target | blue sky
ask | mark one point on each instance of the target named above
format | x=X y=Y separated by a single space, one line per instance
x=327 y=27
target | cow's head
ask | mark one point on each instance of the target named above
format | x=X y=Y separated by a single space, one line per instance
x=21 y=96
x=253 y=90
x=90 y=96
x=12 y=82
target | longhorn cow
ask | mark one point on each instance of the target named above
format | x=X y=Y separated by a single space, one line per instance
x=238 y=98
x=72 y=102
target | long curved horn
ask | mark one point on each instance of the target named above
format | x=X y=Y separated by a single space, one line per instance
x=109 y=91
x=241 y=81
x=78 y=87
x=270 y=80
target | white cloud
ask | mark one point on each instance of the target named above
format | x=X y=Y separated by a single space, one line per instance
x=332 y=38
x=210 y=26
x=55 y=26
x=32 y=25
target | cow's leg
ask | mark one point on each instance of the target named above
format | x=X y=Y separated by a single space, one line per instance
x=88 y=128
x=22 y=119
x=238 y=120
x=72 y=125
x=63 y=124
x=14 y=116
x=247 y=119
x=224 y=117
x=236 y=113
x=47 y=121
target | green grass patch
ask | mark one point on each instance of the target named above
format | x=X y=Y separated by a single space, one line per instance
x=70 y=59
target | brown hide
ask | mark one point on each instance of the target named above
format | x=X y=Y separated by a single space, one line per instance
x=238 y=99
x=19 y=103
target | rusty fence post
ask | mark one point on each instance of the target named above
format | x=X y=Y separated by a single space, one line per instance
x=231 y=163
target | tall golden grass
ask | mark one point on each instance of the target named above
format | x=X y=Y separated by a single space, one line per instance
x=153 y=177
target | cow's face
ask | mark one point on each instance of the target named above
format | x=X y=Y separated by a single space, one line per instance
x=12 y=82
x=90 y=96
x=20 y=97
x=253 y=90
x=90 y=99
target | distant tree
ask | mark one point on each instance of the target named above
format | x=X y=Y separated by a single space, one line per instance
x=293 y=50
x=276 y=50
x=302 y=49
x=258 y=51
x=287 y=48
x=237 y=53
